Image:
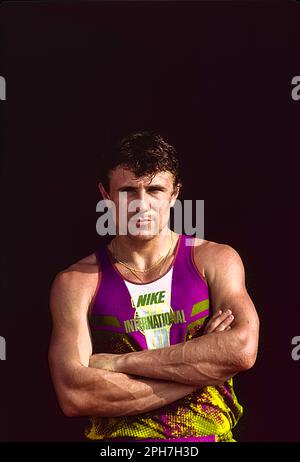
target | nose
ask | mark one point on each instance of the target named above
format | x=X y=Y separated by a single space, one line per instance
x=143 y=201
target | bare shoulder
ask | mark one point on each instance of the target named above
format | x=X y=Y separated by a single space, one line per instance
x=77 y=283
x=211 y=256
x=86 y=265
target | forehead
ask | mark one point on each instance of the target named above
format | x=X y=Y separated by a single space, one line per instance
x=123 y=176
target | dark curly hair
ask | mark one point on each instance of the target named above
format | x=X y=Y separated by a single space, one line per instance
x=145 y=153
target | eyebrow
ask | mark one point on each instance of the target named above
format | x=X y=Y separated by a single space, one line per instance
x=134 y=188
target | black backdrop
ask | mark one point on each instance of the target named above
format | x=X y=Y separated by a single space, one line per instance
x=215 y=79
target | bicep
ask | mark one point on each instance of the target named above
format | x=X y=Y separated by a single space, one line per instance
x=228 y=290
x=70 y=345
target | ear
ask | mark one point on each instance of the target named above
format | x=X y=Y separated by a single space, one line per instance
x=175 y=194
x=103 y=192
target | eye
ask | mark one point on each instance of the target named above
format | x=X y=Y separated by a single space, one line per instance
x=154 y=189
x=127 y=189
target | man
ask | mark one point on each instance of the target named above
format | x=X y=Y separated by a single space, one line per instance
x=131 y=346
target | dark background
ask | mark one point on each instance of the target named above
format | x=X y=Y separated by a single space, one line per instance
x=215 y=79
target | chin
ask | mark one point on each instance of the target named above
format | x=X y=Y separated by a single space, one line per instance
x=143 y=235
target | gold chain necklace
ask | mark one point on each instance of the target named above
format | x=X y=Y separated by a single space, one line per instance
x=134 y=270
x=165 y=258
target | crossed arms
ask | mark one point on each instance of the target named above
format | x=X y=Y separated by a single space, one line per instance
x=111 y=385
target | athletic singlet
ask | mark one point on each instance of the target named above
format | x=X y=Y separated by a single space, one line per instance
x=127 y=317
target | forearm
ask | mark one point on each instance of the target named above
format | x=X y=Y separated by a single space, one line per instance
x=111 y=394
x=207 y=360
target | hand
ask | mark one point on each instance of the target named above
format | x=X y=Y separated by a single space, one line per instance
x=219 y=322
x=105 y=361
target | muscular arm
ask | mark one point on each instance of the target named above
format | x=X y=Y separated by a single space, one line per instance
x=213 y=358
x=82 y=390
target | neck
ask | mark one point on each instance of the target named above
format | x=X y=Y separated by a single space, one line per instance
x=141 y=253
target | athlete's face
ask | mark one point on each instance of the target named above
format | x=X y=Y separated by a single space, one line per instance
x=144 y=203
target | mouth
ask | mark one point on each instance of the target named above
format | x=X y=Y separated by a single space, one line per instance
x=144 y=223
x=142 y=220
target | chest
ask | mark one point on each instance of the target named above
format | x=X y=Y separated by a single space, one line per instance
x=131 y=317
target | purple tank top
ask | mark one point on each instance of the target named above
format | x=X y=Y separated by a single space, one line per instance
x=127 y=317
x=113 y=315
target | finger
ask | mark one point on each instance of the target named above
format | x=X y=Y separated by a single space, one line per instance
x=228 y=328
x=226 y=323
x=216 y=315
x=214 y=322
x=210 y=320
